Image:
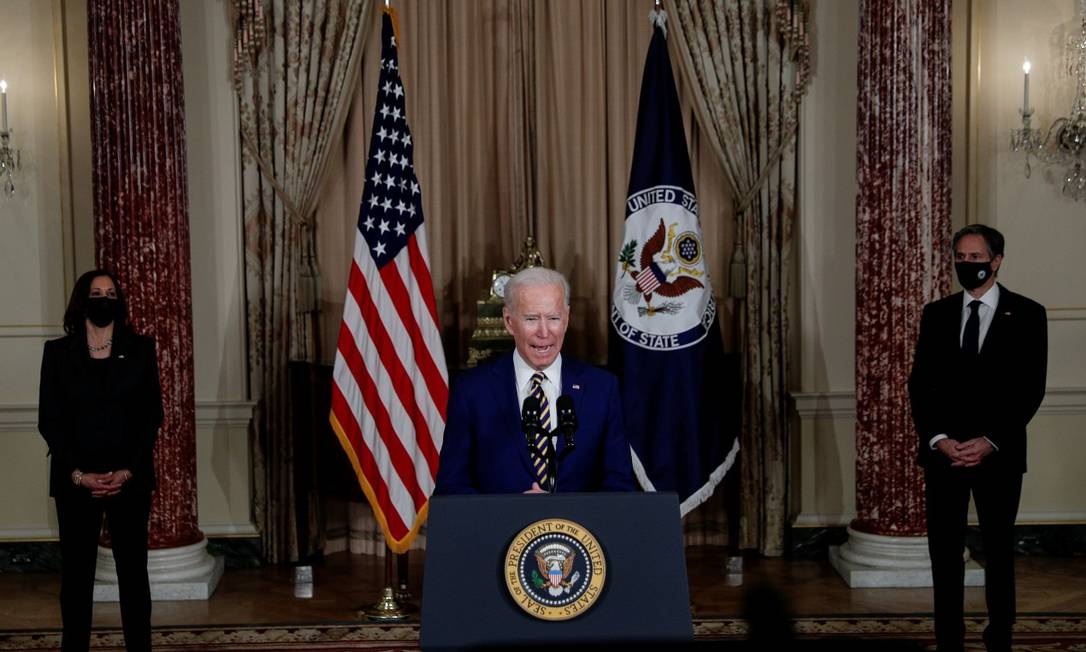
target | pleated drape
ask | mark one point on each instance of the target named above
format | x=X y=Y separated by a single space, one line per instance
x=746 y=63
x=295 y=71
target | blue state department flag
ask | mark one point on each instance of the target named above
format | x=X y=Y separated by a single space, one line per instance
x=665 y=342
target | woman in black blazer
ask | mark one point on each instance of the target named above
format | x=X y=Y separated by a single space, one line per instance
x=99 y=409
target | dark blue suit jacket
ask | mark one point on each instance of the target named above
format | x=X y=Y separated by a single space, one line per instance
x=485 y=450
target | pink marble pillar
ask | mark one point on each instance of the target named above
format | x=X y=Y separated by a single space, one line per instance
x=902 y=249
x=142 y=226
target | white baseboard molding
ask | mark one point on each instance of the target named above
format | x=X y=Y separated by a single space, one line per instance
x=230 y=530
x=13 y=534
x=822 y=520
x=1024 y=518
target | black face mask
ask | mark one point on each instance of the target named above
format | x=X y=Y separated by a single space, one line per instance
x=101 y=311
x=972 y=275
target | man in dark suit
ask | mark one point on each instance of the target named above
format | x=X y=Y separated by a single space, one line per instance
x=978 y=377
x=485 y=449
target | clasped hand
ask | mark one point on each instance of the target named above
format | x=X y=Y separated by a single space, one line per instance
x=105 y=484
x=965 y=454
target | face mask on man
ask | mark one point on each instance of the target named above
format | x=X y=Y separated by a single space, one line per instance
x=101 y=311
x=972 y=275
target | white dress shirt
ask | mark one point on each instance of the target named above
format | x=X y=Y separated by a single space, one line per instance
x=988 y=303
x=552 y=386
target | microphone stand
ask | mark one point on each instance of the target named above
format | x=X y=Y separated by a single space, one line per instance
x=556 y=457
x=552 y=462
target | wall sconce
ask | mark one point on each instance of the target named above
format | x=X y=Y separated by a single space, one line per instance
x=9 y=156
x=1064 y=142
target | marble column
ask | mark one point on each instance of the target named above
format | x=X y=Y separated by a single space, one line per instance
x=902 y=263
x=142 y=234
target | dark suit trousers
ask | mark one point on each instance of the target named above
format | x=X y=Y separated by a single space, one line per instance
x=996 y=493
x=80 y=518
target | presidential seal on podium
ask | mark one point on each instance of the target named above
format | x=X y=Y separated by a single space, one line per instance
x=555 y=569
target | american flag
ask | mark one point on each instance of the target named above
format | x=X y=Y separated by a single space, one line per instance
x=390 y=385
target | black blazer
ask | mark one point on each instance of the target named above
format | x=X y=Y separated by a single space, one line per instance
x=994 y=394
x=130 y=395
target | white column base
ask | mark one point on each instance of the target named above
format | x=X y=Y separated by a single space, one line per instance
x=185 y=573
x=876 y=561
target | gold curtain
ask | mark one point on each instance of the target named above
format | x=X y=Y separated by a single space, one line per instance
x=523 y=115
x=295 y=65
x=747 y=60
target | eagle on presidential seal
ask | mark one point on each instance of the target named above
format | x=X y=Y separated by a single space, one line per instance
x=660 y=273
x=555 y=563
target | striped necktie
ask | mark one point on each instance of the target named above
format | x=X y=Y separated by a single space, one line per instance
x=542 y=438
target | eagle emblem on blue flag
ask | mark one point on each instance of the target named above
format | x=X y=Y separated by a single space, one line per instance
x=662 y=298
x=665 y=343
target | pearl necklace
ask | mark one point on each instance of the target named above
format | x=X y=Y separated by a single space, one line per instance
x=96 y=349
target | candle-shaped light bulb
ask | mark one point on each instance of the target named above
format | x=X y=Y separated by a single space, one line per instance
x=1025 y=87
x=3 y=105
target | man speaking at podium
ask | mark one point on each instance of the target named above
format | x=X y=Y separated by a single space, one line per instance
x=490 y=446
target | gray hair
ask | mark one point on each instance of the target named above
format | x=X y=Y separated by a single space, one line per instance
x=533 y=277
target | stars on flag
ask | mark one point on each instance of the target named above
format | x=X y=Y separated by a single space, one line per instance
x=390 y=210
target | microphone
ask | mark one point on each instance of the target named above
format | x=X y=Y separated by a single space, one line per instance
x=530 y=416
x=567 y=420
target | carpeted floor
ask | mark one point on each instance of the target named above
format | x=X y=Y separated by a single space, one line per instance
x=1034 y=633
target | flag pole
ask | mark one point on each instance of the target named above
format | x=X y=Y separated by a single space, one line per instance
x=386 y=609
x=403 y=592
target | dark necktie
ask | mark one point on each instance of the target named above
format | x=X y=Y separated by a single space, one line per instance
x=542 y=438
x=971 y=336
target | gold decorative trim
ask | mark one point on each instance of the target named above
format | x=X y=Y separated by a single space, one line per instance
x=558 y=545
